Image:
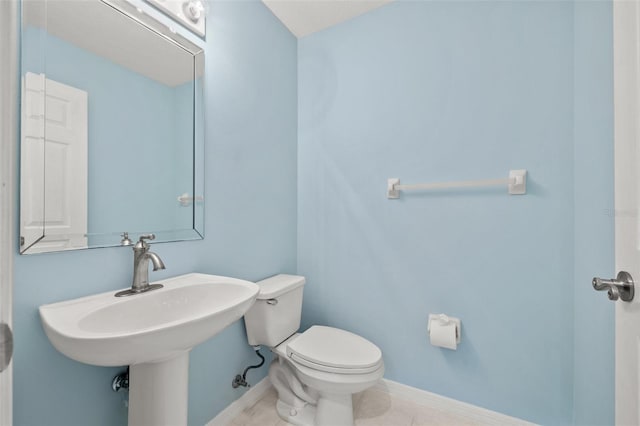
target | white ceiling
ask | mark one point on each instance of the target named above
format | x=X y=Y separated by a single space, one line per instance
x=98 y=28
x=304 y=17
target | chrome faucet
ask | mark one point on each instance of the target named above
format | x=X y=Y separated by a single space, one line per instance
x=141 y=257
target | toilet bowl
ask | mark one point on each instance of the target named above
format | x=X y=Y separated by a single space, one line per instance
x=315 y=372
x=330 y=365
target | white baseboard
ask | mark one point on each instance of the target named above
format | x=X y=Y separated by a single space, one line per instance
x=233 y=410
x=471 y=412
x=474 y=413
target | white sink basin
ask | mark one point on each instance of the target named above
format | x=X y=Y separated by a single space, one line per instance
x=149 y=327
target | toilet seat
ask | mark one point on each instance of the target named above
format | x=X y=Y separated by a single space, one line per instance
x=333 y=350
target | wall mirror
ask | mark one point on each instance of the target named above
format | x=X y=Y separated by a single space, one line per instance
x=111 y=127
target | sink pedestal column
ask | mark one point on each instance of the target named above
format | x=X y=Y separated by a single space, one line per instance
x=158 y=392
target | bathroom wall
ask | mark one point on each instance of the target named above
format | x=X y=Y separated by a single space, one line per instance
x=250 y=190
x=182 y=182
x=441 y=91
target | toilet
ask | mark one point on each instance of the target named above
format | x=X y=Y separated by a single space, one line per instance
x=315 y=372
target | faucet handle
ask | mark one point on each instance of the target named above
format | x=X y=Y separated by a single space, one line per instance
x=142 y=244
x=147 y=237
x=125 y=239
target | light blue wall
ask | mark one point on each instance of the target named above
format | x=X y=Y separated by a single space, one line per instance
x=440 y=91
x=594 y=220
x=182 y=159
x=251 y=208
x=132 y=134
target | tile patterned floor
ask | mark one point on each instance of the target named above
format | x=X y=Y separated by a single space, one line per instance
x=372 y=407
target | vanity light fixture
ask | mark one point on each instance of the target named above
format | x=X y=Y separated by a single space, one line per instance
x=193 y=9
x=189 y=13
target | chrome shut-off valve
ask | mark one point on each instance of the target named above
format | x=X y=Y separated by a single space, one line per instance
x=619 y=288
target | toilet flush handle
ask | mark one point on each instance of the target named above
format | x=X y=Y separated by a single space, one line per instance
x=272 y=302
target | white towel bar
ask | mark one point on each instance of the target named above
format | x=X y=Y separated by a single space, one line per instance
x=517 y=183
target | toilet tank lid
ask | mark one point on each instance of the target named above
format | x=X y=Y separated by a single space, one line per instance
x=277 y=285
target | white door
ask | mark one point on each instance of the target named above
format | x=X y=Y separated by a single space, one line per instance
x=64 y=168
x=8 y=147
x=627 y=206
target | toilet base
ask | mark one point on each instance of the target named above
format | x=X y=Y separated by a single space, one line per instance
x=332 y=410
x=295 y=415
x=304 y=406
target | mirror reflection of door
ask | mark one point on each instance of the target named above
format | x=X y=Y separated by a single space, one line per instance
x=32 y=161
x=64 y=154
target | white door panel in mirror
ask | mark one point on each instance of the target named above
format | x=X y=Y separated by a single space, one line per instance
x=64 y=169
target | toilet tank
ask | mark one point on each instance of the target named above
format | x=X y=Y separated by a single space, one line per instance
x=276 y=313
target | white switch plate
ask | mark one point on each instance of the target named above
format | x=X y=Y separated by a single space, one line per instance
x=185 y=12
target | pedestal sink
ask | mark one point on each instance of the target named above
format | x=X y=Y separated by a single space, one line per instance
x=152 y=333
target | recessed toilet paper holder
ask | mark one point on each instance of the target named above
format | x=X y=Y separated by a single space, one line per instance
x=445 y=320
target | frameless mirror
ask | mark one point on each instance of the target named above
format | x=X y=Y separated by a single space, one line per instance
x=111 y=127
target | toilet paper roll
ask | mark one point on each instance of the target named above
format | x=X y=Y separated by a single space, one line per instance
x=443 y=334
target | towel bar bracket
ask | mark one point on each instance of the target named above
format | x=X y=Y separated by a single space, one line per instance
x=392 y=192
